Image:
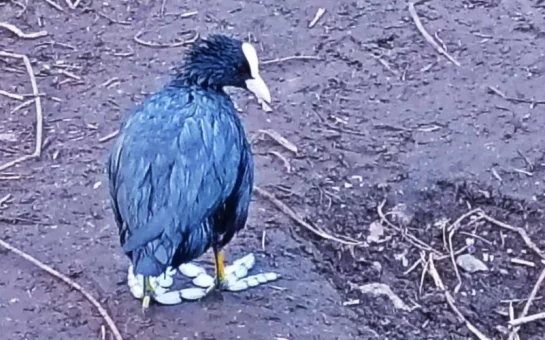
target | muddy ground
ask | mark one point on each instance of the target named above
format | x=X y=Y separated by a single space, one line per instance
x=381 y=115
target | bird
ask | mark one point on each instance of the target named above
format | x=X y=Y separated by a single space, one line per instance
x=181 y=170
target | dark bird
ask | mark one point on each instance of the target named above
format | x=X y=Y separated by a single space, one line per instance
x=181 y=171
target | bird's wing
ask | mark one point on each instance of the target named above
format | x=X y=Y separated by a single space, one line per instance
x=166 y=183
x=232 y=216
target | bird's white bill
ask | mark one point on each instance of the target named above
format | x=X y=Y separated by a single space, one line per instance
x=258 y=87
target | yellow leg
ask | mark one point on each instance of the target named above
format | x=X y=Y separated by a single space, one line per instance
x=147 y=288
x=220 y=268
x=219 y=258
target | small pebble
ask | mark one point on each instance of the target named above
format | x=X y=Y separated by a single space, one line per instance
x=470 y=263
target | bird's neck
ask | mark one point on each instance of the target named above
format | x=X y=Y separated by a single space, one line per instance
x=209 y=78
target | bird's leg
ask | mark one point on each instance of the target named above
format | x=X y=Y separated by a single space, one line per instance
x=147 y=288
x=219 y=281
x=219 y=259
x=220 y=267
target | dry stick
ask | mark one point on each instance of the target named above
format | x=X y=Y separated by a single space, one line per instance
x=425 y=265
x=5 y=199
x=412 y=239
x=528 y=319
x=453 y=228
x=55 y=5
x=523 y=318
x=71 y=4
x=387 y=66
x=283 y=159
x=294 y=57
x=518 y=230
x=514 y=100
x=280 y=140
x=108 y=137
x=319 y=14
x=11 y=95
x=112 y=20
x=23 y=8
x=163 y=6
x=288 y=211
x=22 y=105
x=450 y=300
x=39 y=115
x=13 y=29
x=512 y=317
x=137 y=39
x=427 y=36
x=68 y=281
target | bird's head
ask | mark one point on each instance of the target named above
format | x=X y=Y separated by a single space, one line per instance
x=219 y=61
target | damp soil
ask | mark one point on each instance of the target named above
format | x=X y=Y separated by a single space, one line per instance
x=379 y=119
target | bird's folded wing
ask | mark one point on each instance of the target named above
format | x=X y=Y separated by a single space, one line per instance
x=164 y=184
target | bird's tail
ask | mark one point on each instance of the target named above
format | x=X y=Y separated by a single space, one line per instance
x=149 y=248
x=150 y=260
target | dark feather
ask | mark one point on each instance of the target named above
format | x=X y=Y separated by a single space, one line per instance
x=181 y=176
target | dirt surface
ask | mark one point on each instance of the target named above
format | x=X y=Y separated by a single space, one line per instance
x=380 y=116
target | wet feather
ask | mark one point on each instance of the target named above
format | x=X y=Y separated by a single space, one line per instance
x=181 y=173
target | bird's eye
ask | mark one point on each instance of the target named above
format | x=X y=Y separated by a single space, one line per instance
x=244 y=69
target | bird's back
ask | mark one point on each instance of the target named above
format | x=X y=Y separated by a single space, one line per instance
x=179 y=160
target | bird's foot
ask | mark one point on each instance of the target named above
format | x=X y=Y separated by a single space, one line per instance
x=236 y=276
x=236 y=279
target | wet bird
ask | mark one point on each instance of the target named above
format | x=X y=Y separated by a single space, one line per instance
x=181 y=171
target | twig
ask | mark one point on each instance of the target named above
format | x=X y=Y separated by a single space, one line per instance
x=522 y=318
x=280 y=140
x=518 y=230
x=54 y=5
x=527 y=319
x=263 y=239
x=22 y=105
x=295 y=57
x=109 y=137
x=68 y=281
x=523 y=262
x=319 y=14
x=425 y=265
x=385 y=64
x=512 y=317
x=13 y=29
x=183 y=15
x=427 y=36
x=11 y=95
x=450 y=300
x=70 y=74
x=412 y=239
x=288 y=211
x=39 y=115
x=514 y=100
x=112 y=20
x=283 y=159
x=452 y=230
x=163 y=6
x=391 y=127
x=529 y=164
x=5 y=199
x=71 y=4
x=159 y=45
x=23 y=8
